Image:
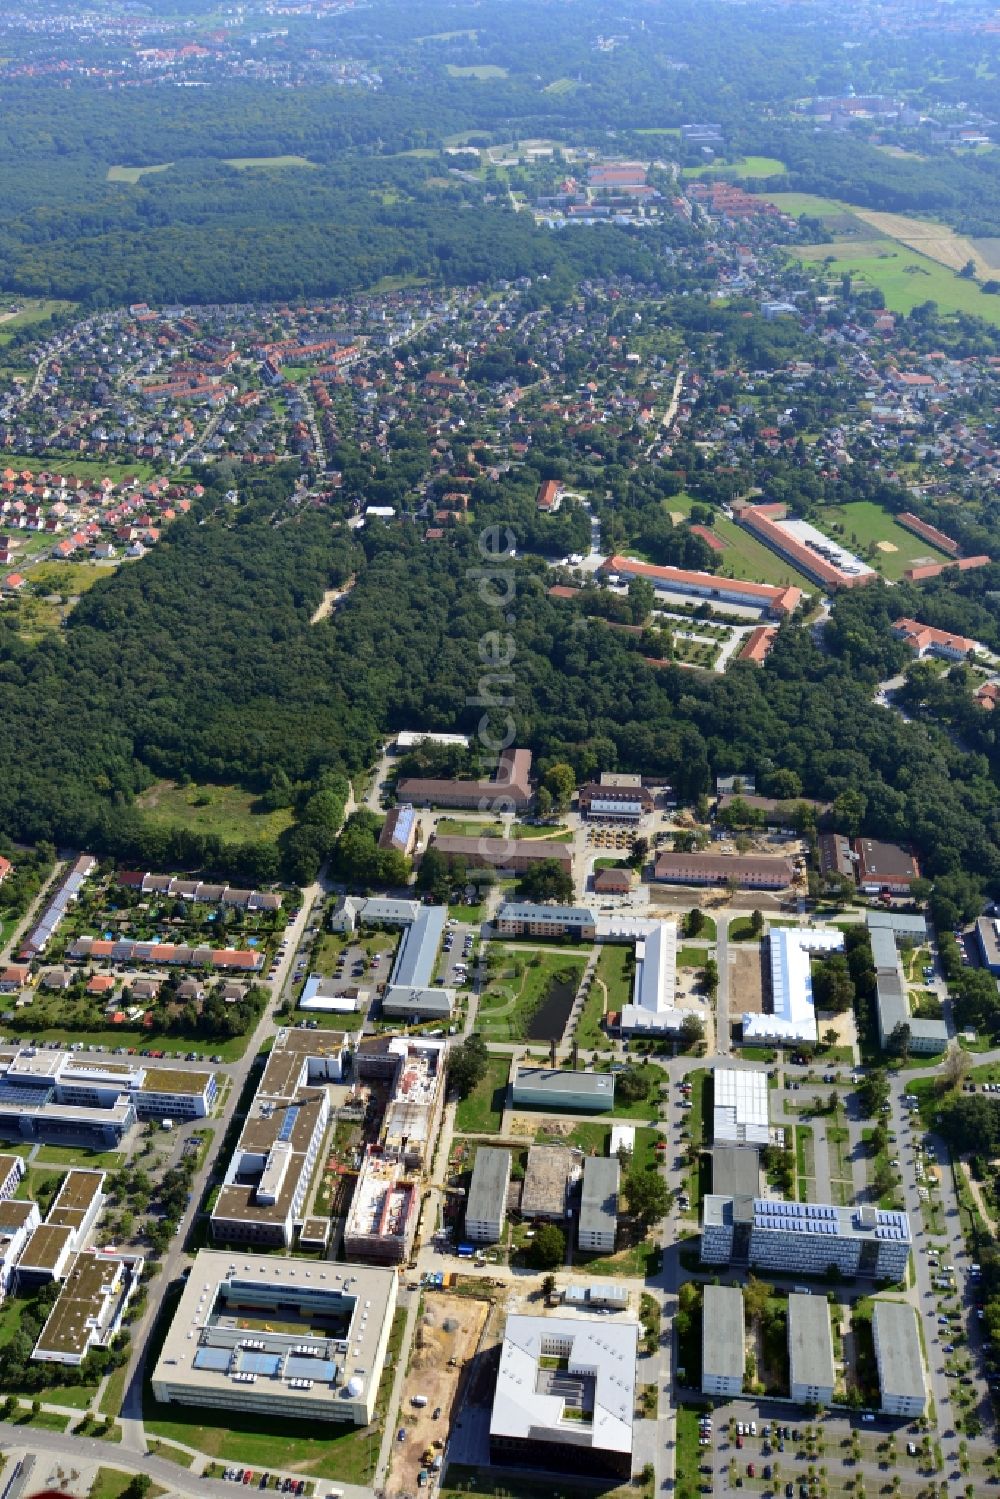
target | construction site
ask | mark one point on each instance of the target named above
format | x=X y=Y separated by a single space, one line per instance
x=449 y=1332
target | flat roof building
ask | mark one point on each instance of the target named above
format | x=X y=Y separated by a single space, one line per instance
x=222 y=1350
x=736 y=1171
x=561 y=1088
x=885 y=867
x=900 y=1362
x=791 y=1019
x=821 y=558
x=565 y=1395
x=988 y=941
x=723 y=1341
x=527 y=919
x=548 y=1175
x=89 y=1309
x=810 y=1350
x=810 y=1237
x=598 y=1222
x=263 y=1195
x=927 y=1036
x=486 y=1204
x=741 y=1106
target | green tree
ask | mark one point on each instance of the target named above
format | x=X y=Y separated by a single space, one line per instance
x=560 y=782
x=694 y=922
x=467 y=1064
x=647 y=1195
x=548 y=1247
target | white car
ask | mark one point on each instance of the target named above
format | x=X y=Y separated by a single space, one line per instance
x=753 y=1428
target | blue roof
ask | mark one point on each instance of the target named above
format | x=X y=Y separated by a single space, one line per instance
x=213 y=1358
x=259 y=1363
x=321 y=1370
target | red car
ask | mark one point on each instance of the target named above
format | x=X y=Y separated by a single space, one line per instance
x=739 y=1441
x=248 y=1475
x=751 y=1471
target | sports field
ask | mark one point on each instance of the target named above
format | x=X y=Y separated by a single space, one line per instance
x=744 y=166
x=868 y=526
x=746 y=557
x=133 y=174
x=241 y=163
x=482 y=71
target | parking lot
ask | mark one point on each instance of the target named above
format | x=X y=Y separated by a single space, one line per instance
x=456 y=959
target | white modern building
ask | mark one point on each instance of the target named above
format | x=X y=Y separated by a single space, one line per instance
x=486 y=1205
x=223 y=1351
x=741 y=1106
x=723 y=1341
x=565 y=1395
x=900 y=1362
x=792 y=1020
x=653 y=1009
x=598 y=1222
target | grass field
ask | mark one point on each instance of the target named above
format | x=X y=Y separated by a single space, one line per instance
x=111 y=1483
x=746 y=557
x=560 y=86
x=30 y=310
x=519 y=988
x=906 y=278
x=482 y=71
x=68 y=578
x=88 y=468
x=135 y=174
x=865 y=524
x=744 y=166
x=224 y=810
x=242 y=163
x=482 y=1111
x=798 y=203
x=75 y=1155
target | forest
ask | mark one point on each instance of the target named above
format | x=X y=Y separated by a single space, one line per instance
x=200 y=662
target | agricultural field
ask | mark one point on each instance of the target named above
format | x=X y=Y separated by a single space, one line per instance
x=989 y=251
x=936 y=241
x=226 y=811
x=746 y=557
x=873 y=531
x=133 y=175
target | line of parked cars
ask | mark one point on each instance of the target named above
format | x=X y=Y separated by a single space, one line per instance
x=281 y=1485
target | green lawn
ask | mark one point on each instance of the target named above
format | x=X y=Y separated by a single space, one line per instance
x=561 y=86
x=616 y=970
x=746 y=557
x=636 y=1261
x=114 y=1393
x=743 y=166
x=905 y=278
x=798 y=203
x=865 y=524
x=519 y=988
x=226 y=811
x=741 y=930
x=482 y=1111
x=111 y=1483
x=68 y=578
x=688 y=1452
x=85 y=468
x=75 y=1155
x=133 y=175
x=648 y=1107
x=692 y=957
x=241 y=163
x=482 y=71
x=479 y=828
x=31 y=310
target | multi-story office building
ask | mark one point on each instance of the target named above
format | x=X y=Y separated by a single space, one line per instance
x=792 y=1017
x=89 y=1309
x=741 y=1106
x=598 y=1222
x=885 y=931
x=810 y=1350
x=49 y=1250
x=723 y=1341
x=805 y=1237
x=525 y=919
x=486 y=1204
x=223 y=1351
x=899 y=1359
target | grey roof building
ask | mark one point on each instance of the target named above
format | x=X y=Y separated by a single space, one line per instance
x=561 y=1088
x=810 y=1350
x=486 y=1204
x=897 y=1353
x=723 y=1339
x=885 y=928
x=599 y=1203
x=736 y=1171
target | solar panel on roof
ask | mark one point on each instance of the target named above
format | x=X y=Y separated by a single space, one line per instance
x=288 y=1123
x=213 y=1358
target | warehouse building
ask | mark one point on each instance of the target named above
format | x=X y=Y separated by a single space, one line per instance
x=565 y=1395
x=561 y=1088
x=486 y=1205
x=723 y=1341
x=899 y=1359
x=805 y=1237
x=741 y=1106
x=598 y=1221
x=221 y=1350
x=791 y=1019
x=810 y=1350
